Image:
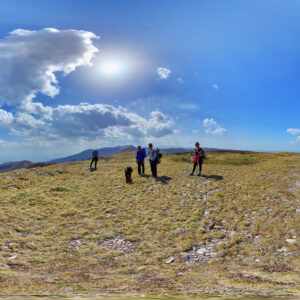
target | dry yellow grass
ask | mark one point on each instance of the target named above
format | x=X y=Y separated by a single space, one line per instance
x=82 y=232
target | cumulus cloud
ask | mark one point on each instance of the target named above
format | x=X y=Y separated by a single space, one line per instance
x=294 y=131
x=163 y=73
x=158 y=125
x=85 y=121
x=30 y=59
x=215 y=86
x=212 y=127
x=6 y=118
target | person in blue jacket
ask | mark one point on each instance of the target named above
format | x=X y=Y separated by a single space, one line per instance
x=95 y=159
x=140 y=156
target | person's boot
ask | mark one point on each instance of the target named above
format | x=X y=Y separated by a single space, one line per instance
x=192 y=174
x=199 y=174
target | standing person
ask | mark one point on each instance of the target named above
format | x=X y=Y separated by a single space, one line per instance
x=198 y=158
x=94 y=159
x=153 y=158
x=140 y=156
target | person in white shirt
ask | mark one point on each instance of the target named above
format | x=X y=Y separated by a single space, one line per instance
x=153 y=158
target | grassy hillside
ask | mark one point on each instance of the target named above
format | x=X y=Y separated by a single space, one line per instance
x=72 y=231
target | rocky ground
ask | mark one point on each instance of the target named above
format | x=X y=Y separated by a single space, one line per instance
x=235 y=230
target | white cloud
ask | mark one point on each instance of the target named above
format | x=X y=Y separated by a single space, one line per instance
x=6 y=118
x=163 y=73
x=209 y=123
x=180 y=80
x=215 y=86
x=86 y=121
x=36 y=108
x=158 y=125
x=29 y=60
x=213 y=128
x=216 y=131
x=293 y=131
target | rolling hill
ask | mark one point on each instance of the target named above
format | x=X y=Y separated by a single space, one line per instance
x=65 y=230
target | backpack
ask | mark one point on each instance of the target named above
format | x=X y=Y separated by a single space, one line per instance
x=144 y=152
x=203 y=154
x=159 y=156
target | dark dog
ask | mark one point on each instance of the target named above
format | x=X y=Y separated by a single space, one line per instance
x=128 y=172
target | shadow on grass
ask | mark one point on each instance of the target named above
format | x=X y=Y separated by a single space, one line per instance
x=145 y=175
x=216 y=177
x=164 y=179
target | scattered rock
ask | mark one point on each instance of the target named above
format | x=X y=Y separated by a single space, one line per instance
x=283 y=249
x=60 y=170
x=170 y=260
x=117 y=244
x=75 y=245
x=85 y=169
x=14 y=187
x=291 y=241
x=47 y=175
x=203 y=253
x=12 y=257
x=7 y=177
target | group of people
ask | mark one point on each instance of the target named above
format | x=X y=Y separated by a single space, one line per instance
x=154 y=158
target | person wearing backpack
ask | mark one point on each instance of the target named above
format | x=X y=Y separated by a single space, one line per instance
x=198 y=155
x=94 y=159
x=153 y=159
x=140 y=156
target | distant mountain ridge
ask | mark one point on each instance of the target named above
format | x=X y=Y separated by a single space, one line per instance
x=86 y=154
x=107 y=151
x=14 y=165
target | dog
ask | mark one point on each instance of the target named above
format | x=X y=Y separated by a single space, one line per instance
x=128 y=172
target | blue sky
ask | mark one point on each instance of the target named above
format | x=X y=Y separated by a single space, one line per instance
x=222 y=72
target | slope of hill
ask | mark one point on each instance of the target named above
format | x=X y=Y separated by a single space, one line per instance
x=14 y=165
x=65 y=230
x=107 y=151
x=87 y=154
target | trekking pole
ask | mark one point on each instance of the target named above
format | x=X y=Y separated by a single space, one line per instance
x=188 y=166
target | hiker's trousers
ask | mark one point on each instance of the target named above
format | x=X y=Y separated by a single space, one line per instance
x=141 y=166
x=200 y=161
x=153 y=164
x=94 y=159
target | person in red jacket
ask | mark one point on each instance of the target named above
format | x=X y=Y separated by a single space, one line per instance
x=198 y=155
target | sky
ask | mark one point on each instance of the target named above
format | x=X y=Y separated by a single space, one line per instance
x=84 y=74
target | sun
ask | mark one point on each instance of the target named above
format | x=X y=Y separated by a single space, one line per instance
x=111 y=68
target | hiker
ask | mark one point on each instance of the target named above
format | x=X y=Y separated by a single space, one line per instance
x=140 y=156
x=153 y=158
x=198 y=155
x=94 y=159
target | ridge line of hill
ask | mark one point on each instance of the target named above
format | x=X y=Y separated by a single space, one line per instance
x=86 y=154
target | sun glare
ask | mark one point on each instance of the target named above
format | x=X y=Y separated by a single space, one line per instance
x=110 y=68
